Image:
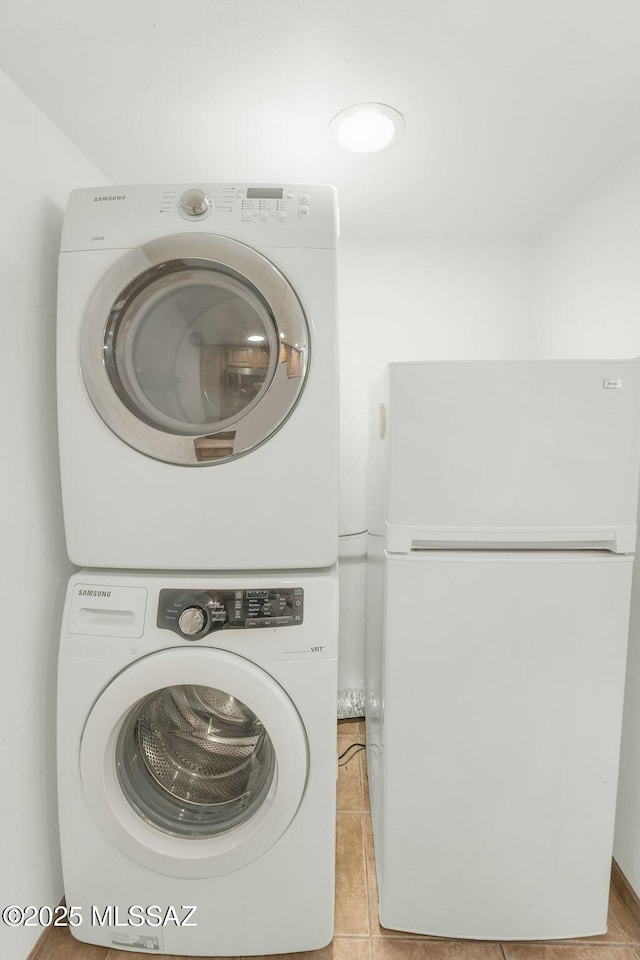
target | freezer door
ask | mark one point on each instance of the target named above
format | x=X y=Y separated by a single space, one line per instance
x=502 y=686
x=545 y=452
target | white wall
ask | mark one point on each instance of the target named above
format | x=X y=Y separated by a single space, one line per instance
x=587 y=284
x=38 y=166
x=587 y=305
x=440 y=300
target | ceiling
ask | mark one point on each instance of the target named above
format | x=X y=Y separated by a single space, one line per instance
x=513 y=108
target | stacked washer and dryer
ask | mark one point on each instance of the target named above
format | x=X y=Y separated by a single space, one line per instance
x=198 y=420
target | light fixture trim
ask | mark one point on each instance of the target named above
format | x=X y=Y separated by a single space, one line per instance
x=367 y=127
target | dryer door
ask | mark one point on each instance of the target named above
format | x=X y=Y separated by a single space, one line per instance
x=194 y=349
x=194 y=762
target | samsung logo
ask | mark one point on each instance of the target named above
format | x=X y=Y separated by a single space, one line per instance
x=94 y=593
x=113 y=196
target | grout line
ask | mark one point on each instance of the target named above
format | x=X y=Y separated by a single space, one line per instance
x=352 y=936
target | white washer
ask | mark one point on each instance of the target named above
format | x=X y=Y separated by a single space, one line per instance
x=197 y=376
x=197 y=761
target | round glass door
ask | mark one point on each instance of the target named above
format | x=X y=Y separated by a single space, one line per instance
x=194 y=761
x=190 y=349
x=194 y=349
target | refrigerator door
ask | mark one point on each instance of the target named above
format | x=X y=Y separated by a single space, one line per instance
x=501 y=684
x=533 y=453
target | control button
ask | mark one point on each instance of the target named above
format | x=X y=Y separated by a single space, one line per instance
x=303 y=197
x=246 y=215
x=303 y=213
x=282 y=214
x=282 y=621
x=269 y=622
x=264 y=214
x=290 y=195
x=297 y=603
x=192 y=621
x=194 y=202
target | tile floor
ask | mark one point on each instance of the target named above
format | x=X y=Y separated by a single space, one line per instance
x=358 y=934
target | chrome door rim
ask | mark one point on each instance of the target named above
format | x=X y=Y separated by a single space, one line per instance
x=236 y=437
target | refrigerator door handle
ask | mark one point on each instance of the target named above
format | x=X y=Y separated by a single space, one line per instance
x=407 y=538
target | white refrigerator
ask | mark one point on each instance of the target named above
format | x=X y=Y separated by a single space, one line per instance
x=502 y=523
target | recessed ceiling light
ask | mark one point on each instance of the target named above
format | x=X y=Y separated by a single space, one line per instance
x=256 y=338
x=367 y=127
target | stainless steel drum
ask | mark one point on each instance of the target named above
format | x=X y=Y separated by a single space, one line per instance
x=194 y=761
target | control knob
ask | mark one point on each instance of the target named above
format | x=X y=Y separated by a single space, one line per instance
x=192 y=621
x=194 y=202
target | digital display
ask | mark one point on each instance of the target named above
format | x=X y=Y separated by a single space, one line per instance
x=265 y=193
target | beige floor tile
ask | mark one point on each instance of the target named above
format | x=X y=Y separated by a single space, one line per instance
x=352 y=911
x=352 y=729
x=349 y=778
x=566 y=951
x=385 y=948
x=340 y=948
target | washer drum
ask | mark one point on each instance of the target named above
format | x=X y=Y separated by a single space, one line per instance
x=194 y=761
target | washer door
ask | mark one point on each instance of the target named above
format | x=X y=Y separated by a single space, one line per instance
x=194 y=762
x=194 y=349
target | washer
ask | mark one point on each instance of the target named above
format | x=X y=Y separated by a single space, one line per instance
x=197 y=376
x=197 y=762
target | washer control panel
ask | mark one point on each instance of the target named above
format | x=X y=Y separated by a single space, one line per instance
x=193 y=614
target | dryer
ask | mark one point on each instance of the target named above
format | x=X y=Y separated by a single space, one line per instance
x=197 y=376
x=197 y=761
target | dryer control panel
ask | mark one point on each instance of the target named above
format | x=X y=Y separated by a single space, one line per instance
x=193 y=614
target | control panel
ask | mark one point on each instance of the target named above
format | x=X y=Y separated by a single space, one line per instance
x=269 y=215
x=193 y=614
x=259 y=204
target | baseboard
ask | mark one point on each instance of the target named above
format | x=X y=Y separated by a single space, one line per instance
x=40 y=946
x=626 y=892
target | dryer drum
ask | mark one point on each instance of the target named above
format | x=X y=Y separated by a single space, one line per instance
x=194 y=761
x=179 y=350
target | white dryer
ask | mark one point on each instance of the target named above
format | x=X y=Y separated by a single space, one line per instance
x=197 y=761
x=197 y=376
